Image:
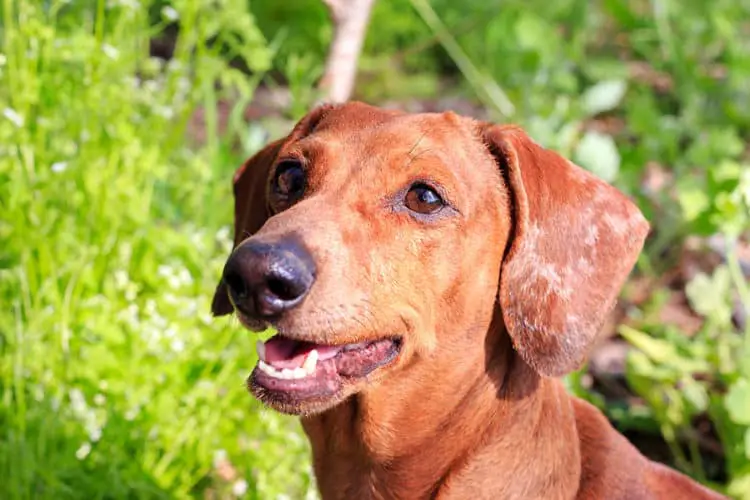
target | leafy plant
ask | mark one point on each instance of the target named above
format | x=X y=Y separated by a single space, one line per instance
x=682 y=378
x=114 y=380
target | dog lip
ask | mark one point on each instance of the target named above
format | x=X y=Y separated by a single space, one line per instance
x=277 y=383
x=298 y=346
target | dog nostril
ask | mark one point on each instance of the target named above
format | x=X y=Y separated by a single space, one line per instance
x=235 y=283
x=283 y=289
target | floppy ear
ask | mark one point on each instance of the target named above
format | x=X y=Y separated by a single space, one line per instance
x=250 y=208
x=575 y=240
x=250 y=202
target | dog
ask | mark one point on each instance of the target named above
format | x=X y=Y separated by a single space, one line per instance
x=430 y=277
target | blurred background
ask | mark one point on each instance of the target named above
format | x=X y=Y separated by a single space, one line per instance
x=122 y=121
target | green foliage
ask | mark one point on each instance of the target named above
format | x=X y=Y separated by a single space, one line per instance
x=114 y=380
x=682 y=377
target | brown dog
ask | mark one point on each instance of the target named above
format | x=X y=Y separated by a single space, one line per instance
x=428 y=275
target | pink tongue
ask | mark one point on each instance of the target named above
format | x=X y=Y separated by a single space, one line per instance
x=286 y=353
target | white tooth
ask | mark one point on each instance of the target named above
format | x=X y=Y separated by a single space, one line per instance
x=266 y=368
x=311 y=361
x=270 y=370
x=299 y=372
x=286 y=373
x=261 y=347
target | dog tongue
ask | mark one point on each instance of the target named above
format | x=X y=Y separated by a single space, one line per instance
x=282 y=352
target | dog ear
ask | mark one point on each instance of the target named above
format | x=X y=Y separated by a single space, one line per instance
x=250 y=208
x=575 y=240
x=250 y=194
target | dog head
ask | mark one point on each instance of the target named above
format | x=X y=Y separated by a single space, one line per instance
x=377 y=242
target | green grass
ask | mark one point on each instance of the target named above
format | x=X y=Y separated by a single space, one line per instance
x=115 y=213
x=115 y=382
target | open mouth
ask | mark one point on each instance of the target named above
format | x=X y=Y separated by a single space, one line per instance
x=292 y=371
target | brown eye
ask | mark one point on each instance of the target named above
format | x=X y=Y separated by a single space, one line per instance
x=290 y=181
x=422 y=199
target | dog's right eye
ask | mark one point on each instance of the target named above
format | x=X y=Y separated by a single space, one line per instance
x=289 y=181
x=422 y=199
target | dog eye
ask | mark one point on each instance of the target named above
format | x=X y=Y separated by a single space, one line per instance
x=290 y=180
x=423 y=199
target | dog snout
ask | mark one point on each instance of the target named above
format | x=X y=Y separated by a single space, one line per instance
x=265 y=280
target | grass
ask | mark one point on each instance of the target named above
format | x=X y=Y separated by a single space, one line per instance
x=114 y=380
x=114 y=216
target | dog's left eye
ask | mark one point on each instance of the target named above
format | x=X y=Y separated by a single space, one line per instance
x=290 y=181
x=422 y=199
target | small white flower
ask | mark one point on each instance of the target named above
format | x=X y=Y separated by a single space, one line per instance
x=83 y=451
x=3 y=59
x=130 y=315
x=239 y=488
x=183 y=84
x=222 y=235
x=12 y=115
x=100 y=399
x=132 y=413
x=150 y=307
x=205 y=386
x=184 y=277
x=170 y=13
x=110 y=51
x=39 y=393
x=165 y=112
x=151 y=86
x=220 y=456
x=130 y=4
x=178 y=345
x=171 y=299
x=95 y=434
x=77 y=401
x=121 y=279
x=59 y=166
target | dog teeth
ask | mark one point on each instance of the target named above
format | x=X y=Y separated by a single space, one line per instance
x=311 y=362
x=300 y=372
x=291 y=374
x=261 y=347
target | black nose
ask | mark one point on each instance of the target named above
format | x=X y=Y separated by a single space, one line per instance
x=264 y=280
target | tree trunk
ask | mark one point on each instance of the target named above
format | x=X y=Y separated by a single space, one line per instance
x=350 y=18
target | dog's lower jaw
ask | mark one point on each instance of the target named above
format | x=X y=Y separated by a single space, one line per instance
x=302 y=409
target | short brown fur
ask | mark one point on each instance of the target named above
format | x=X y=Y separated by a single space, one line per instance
x=492 y=300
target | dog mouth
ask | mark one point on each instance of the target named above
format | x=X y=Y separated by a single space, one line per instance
x=291 y=371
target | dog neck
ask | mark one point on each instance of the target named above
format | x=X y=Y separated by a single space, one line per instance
x=447 y=427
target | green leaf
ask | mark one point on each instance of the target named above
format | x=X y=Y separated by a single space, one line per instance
x=726 y=171
x=598 y=153
x=604 y=96
x=693 y=201
x=747 y=443
x=708 y=295
x=531 y=31
x=695 y=393
x=737 y=402
x=662 y=351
